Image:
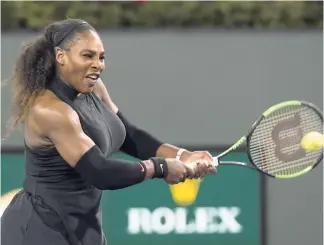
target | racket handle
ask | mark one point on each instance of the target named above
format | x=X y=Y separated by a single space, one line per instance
x=216 y=162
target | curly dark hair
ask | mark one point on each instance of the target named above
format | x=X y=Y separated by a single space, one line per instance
x=36 y=65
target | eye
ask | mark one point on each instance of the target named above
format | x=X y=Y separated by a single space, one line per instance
x=102 y=58
x=88 y=55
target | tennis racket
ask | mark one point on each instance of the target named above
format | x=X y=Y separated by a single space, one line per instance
x=273 y=142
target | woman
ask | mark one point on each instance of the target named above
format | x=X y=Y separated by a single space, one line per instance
x=71 y=129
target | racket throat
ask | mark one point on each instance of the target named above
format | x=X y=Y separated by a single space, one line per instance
x=233 y=147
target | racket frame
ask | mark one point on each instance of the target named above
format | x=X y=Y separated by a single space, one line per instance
x=247 y=139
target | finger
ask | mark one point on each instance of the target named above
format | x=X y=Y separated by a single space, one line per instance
x=212 y=170
x=206 y=165
x=174 y=182
x=190 y=170
x=208 y=168
x=211 y=166
x=201 y=166
x=183 y=179
x=195 y=171
x=169 y=182
x=202 y=169
x=210 y=162
x=189 y=175
x=209 y=156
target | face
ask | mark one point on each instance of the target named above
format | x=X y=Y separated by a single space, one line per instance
x=82 y=64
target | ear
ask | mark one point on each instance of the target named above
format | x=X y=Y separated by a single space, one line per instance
x=60 y=56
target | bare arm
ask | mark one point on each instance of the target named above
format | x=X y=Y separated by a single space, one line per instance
x=168 y=150
x=165 y=150
x=62 y=126
x=64 y=130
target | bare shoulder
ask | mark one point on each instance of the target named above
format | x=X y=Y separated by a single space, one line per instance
x=56 y=121
x=50 y=112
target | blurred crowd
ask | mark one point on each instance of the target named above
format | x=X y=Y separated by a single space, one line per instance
x=151 y=14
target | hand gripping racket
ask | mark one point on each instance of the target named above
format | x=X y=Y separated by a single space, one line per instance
x=273 y=142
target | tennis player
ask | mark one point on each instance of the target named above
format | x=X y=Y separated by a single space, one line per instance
x=71 y=130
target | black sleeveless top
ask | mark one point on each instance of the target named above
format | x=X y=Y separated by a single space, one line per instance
x=64 y=200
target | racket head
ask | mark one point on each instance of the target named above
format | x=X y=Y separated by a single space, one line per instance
x=273 y=144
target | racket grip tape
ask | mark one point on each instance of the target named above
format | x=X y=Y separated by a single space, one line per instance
x=216 y=162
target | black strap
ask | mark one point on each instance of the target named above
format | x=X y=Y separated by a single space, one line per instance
x=160 y=167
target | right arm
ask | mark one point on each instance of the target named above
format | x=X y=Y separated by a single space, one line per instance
x=62 y=126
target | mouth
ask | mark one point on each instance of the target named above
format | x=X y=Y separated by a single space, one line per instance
x=93 y=77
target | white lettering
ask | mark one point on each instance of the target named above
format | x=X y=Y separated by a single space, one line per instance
x=201 y=217
x=139 y=221
x=229 y=222
x=181 y=225
x=223 y=220
x=163 y=220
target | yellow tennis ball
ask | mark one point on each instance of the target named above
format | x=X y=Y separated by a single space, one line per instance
x=312 y=141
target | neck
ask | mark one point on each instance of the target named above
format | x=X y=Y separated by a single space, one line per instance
x=63 y=89
x=63 y=79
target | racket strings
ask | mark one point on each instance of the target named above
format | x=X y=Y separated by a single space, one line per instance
x=277 y=169
x=283 y=155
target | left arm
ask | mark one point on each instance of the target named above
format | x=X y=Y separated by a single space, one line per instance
x=139 y=143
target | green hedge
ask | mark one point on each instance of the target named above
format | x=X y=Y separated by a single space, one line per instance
x=227 y=14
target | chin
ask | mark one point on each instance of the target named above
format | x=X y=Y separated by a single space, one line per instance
x=86 y=90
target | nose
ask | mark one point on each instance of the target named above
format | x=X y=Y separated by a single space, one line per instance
x=98 y=65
